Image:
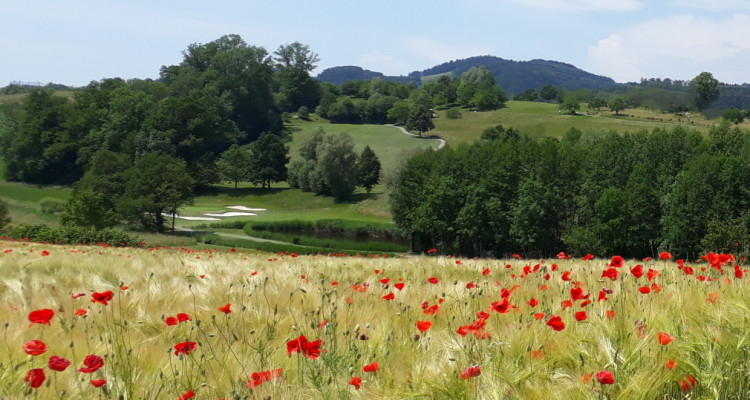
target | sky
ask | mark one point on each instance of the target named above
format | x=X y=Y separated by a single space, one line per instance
x=74 y=42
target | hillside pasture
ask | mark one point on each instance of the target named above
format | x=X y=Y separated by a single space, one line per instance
x=222 y=323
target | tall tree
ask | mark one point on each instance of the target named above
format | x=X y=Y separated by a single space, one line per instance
x=420 y=119
x=268 y=160
x=706 y=90
x=337 y=164
x=368 y=169
x=235 y=165
x=294 y=63
x=618 y=104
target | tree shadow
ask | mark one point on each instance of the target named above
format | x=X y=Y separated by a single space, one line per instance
x=355 y=198
x=240 y=192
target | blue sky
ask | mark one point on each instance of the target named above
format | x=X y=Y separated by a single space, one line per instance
x=76 y=41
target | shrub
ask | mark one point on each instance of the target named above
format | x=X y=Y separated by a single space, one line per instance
x=4 y=216
x=73 y=235
x=51 y=205
x=453 y=113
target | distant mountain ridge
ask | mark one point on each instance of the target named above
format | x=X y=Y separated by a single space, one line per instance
x=513 y=76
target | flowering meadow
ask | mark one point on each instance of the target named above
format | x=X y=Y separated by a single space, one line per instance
x=175 y=323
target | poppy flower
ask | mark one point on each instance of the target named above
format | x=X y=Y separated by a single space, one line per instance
x=470 y=372
x=42 y=316
x=610 y=273
x=556 y=323
x=389 y=296
x=226 y=309
x=399 y=285
x=470 y=285
x=687 y=383
x=98 y=382
x=56 y=363
x=34 y=378
x=537 y=354
x=644 y=289
x=432 y=310
x=539 y=316
x=385 y=281
x=92 y=363
x=182 y=317
x=577 y=294
x=77 y=295
x=637 y=271
x=423 y=326
x=533 y=302
x=486 y=271
x=101 y=297
x=502 y=306
x=184 y=348
x=171 y=321
x=651 y=274
x=664 y=255
x=34 y=347
x=356 y=382
x=610 y=314
x=81 y=312
x=605 y=378
x=665 y=338
x=301 y=345
x=617 y=262
x=264 y=376
x=45 y=253
x=566 y=276
x=187 y=395
x=588 y=257
x=374 y=367
x=581 y=316
x=433 y=280
x=671 y=364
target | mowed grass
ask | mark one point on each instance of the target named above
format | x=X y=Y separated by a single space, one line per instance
x=340 y=305
x=538 y=120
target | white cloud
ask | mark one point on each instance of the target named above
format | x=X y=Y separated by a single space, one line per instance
x=713 y=5
x=377 y=61
x=437 y=51
x=674 y=47
x=583 y=5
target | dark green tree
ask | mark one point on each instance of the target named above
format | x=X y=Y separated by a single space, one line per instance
x=618 y=104
x=706 y=89
x=337 y=164
x=597 y=103
x=548 y=93
x=420 y=119
x=4 y=215
x=570 y=103
x=368 y=169
x=294 y=63
x=734 y=115
x=268 y=161
x=235 y=165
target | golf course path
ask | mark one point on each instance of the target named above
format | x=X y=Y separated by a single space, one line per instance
x=405 y=132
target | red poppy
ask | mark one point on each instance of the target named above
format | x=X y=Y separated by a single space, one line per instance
x=566 y=276
x=556 y=323
x=687 y=383
x=637 y=271
x=533 y=302
x=374 y=367
x=389 y=296
x=644 y=289
x=486 y=271
x=81 y=312
x=617 y=262
x=356 y=382
x=399 y=285
x=651 y=274
x=101 y=297
x=665 y=338
x=226 y=309
x=539 y=316
x=577 y=294
x=41 y=316
x=301 y=345
x=502 y=306
x=581 y=316
x=671 y=364
x=588 y=257
x=470 y=285
x=187 y=395
x=610 y=314
x=182 y=317
x=171 y=321
x=385 y=281
x=603 y=295
x=77 y=295
x=34 y=347
x=610 y=273
x=423 y=326
x=605 y=377
x=470 y=372
x=56 y=363
x=664 y=255
x=432 y=310
x=98 y=382
x=45 y=253
x=92 y=363
x=35 y=377
x=263 y=376
x=433 y=280
x=184 y=348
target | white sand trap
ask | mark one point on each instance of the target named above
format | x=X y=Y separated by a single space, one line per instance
x=243 y=208
x=230 y=214
x=192 y=218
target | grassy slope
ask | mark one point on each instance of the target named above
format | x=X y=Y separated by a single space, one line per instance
x=542 y=119
x=273 y=302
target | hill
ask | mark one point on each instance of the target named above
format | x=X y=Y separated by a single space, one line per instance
x=513 y=76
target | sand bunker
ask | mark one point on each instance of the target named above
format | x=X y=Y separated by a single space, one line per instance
x=230 y=214
x=243 y=208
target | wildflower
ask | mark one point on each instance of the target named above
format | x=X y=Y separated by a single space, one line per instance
x=533 y=302
x=184 y=348
x=92 y=363
x=502 y=306
x=389 y=296
x=101 y=297
x=610 y=314
x=45 y=253
x=588 y=257
x=187 y=395
x=263 y=376
x=486 y=271
x=182 y=317
x=665 y=338
x=356 y=382
x=581 y=316
x=34 y=378
x=610 y=273
x=671 y=364
x=644 y=289
x=98 y=382
x=373 y=367
x=399 y=286
x=617 y=262
x=171 y=321
x=651 y=274
x=433 y=280
x=637 y=271
x=226 y=309
x=56 y=363
x=34 y=347
x=664 y=255
x=81 y=312
x=556 y=323
x=605 y=377
x=470 y=372
x=41 y=316
x=537 y=354
x=301 y=345
x=423 y=326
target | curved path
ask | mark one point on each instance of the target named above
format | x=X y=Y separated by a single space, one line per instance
x=405 y=132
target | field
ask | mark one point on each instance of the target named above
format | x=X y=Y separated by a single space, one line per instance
x=276 y=325
x=542 y=120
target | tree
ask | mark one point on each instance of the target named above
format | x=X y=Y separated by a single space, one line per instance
x=548 y=92
x=337 y=164
x=294 y=62
x=570 y=103
x=4 y=215
x=235 y=164
x=706 y=90
x=597 y=103
x=618 y=104
x=420 y=120
x=368 y=169
x=268 y=161
x=734 y=115
x=157 y=185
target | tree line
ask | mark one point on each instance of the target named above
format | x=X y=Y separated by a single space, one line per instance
x=630 y=194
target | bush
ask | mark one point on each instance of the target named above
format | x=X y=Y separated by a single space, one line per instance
x=303 y=113
x=51 y=205
x=4 y=216
x=73 y=235
x=453 y=113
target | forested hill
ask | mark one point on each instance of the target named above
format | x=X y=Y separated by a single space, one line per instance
x=513 y=76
